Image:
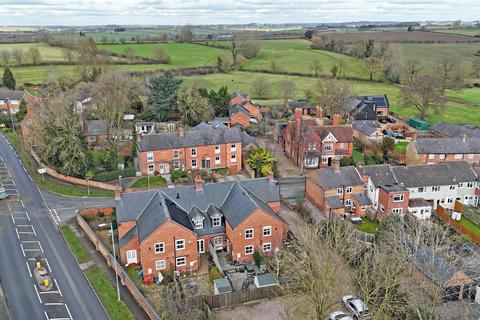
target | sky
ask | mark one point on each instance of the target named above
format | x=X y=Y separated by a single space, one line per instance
x=162 y=12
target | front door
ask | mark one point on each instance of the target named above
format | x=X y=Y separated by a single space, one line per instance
x=131 y=256
x=329 y=162
x=207 y=163
x=162 y=168
x=201 y=246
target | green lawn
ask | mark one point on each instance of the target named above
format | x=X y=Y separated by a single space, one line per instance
x=144 y=182
x=76 y=247
x=357 y=156
x=368 y=226
x=182 y=54
x=470 y=95
x=470 y=225
x=117 y=310
x=464 y=31
x=295 y=55
x=47 y=53
x=401 y=147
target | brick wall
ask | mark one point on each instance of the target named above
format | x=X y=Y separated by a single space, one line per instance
x=240 y=118
x=386 y=199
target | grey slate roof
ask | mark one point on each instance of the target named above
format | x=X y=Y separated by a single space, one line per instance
x=393 y=187
x=334 y=202
x=448 y=145
x=365 y=127
x=223 y=285
x=233 y=200
x=347 y=176
x=380 y=174
x=454 y=130
x=299 y=104
x=127 y=237
x=268 y=279
x=12 y=94
x=96 y=127
x=236 y=109
x=361 y=198
x=378 y=100
x=221 y=119
x=447 y=173
x=191 y=138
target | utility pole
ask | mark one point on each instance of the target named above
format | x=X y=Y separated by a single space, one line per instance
x=11 y=114
x=115 y=264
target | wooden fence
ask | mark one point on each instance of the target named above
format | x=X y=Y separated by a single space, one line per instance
x=124 y=278
x=444 y=214
x=234 y=298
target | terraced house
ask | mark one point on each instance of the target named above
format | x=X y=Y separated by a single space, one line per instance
x=176 y=227
x=190 y=150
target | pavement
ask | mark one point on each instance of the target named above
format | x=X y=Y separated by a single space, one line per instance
x=28 y=231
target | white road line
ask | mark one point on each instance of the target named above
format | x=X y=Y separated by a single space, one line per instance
x=40 y=246
x=58 y=287
x=46 y=315
x=23 y=251
x=49 y=292
x=26 y=213
x=12 y=219
x=22 y=204
x=53 y=304
x=60 y=318
x=13 y=182
x=30 y=241
x=38 y=295
x=18 y=236
x=49 y=269
x=69 y=314
x=28 y=268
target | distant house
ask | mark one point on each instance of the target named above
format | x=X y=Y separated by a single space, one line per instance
x=10 y=100
x=368 y=133
x=368 y=108
x=449 y=130
x=307 y=108
x=243 y=111
x=438 y=150
x=97 y=135
x=315 y=142
x=238 y=97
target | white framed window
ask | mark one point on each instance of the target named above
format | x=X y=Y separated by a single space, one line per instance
x=470 y=156
x=342 y=145
x=431 y=156
x=324 y=159
x=397 y=210
x=217 y=149
x=435 y=188
x=194 y=163
x=198 y=223
x=452 y=187
x=180 y=244
x=348 y=190
x=233 y=158
x=248 y=250
x=217 y=160
x=267 y=231
x=233 y=147
x=151 y=168
x=348 y=203
x=267 y=247
x=176 y=154
x=201 y=246
x=460 y=185
x=159 y=247
x=449 y=200
x=328 y=147
x=470 y=184
x=181 y=261
x=160 y=265
x=216 y=222
x=442 y=156
x=176 y=164
x=194 y=152
x=421 y=189
x=398 y=197
x=339 y=191
x=150 y=157
x=458 y=156
x=248 y=233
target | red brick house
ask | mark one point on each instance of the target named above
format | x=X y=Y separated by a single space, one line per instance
x=438 y=150
x=193 y=149
x=238 y=97
x=10 y=100
x=337 y=191
x=174 y=227
x=315 y=142
x=392 y=198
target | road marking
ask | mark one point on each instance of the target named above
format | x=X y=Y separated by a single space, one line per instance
x=49 y=269
x=12 y=219
x=58 y=287
x=28 y=268
x=53 y=304
x=69 y=314
x=38 y=295
x=23 y=251
x=18 y=236
x=48 y=292
x=46 y=316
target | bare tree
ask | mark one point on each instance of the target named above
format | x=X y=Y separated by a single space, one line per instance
x=274 y=67
x=450 y=74
x=248 y=48
x=68 y=55
x=129 y=54
x=260 y=87
x=160 y=54
x=5 y=54
x=333 y=94
x=18 y=55
x=316 y=66
x=371 y=65
x=424 y=93
x=34 y=54
x=286 y=89
x=412 y=69
x=187 y=33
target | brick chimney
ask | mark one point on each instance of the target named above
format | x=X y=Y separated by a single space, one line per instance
x=336 y=118
x=118 y=193
x=336 y=165
x=298 y=121
x=319 y=112
x=198 y=183
x=181 y=133
x=270 y=176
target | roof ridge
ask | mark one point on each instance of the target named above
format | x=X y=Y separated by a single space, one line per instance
x=149 y=201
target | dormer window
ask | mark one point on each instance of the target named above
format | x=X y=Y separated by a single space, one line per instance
x=198 y=223
x=216 y=222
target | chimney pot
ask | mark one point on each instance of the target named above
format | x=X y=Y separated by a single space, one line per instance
x=198 y=183
x=336 y=119
x=270 y=176
x=336 y=165
x=181 y=132
x=319 y=112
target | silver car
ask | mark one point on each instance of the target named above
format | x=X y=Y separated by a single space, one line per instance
x=339 y=315
x=357 y=307
x=3 y=193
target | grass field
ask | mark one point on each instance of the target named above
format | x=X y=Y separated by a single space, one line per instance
x=47 y=53
x=295 y=55
x=152 y=182
x=470 y=95
x=76 y=247
x=182 y=54
x=368 y=226
x=464 y=31
x=401 y=147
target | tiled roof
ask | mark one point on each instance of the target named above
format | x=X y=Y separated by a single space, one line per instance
x=96 y=127
x=448 y=145
x=329 y=179
x=454 y=130
x=366 y=127
x=12 y=94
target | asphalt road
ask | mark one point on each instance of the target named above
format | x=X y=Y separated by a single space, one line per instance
x=29 y=231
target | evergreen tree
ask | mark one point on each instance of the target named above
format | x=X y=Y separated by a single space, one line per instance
x=162 y=94
x=8 y=79
x=22 y=110
x=220 y=100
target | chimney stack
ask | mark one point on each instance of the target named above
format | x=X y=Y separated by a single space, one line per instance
x=336 y=165
x=336 y=119
x=270 y=176
x=198 y=183
x=319 y=112
x=181 y=133
x=298 y=121
x=118 y=193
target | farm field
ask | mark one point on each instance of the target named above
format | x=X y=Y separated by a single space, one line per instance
x=182 y=54
x=470 y=95
x=454 y=112
x=401 y=36
x=47 y=53
x=464 y=31
x=296 y=56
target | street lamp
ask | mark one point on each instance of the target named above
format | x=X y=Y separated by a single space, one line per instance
x=115 y=264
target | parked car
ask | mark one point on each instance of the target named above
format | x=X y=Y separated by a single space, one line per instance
x=382 y=119
x=391 y=120
x=357 y=307
x=339 y=315
x=3 y=193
